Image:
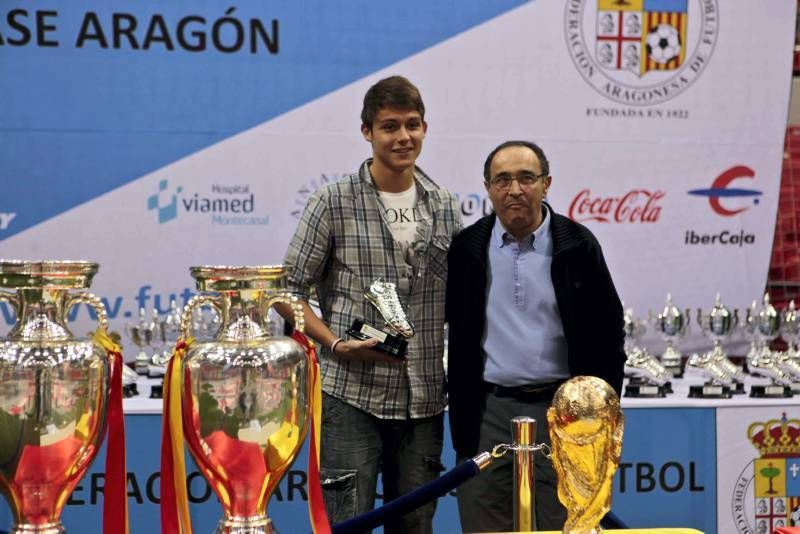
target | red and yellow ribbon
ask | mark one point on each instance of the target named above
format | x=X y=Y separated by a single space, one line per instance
x=174 y=495
x=115 y=501
x=316 y=507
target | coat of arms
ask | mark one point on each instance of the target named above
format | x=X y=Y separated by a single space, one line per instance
x=641 y=35
x=776 y=473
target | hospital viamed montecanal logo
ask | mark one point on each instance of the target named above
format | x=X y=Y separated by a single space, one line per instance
x=767 y=492
x=641 y=52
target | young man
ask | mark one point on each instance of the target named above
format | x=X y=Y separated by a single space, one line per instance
x=530 y=303
x=389 y=221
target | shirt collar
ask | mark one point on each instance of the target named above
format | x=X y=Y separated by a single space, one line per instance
x=538 y=238
x=424 y=184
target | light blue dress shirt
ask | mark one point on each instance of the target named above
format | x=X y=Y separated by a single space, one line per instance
x=524 y=340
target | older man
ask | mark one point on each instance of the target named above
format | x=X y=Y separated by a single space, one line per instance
x=530 y=303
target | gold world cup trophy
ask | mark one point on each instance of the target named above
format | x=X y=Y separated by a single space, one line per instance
x=586 y=425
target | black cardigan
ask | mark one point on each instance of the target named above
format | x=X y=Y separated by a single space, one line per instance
x=590 y=310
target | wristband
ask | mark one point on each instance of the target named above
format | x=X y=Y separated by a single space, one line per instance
x=335 y=342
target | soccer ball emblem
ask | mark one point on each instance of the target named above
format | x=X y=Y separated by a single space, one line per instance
x=663 y=43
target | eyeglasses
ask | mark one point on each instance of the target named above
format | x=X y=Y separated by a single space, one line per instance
x=524 y=179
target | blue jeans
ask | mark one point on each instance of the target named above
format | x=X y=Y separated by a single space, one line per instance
x=356 y=446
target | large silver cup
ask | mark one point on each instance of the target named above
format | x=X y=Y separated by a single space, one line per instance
x=246 y=393
x=53 y=391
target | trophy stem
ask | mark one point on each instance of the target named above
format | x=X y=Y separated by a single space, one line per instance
x=45 y=528
x=671 y=359
x=257 y=524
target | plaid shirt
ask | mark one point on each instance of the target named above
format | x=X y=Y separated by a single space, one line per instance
x=341 y=245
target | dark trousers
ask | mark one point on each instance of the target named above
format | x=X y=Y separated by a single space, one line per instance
x=355 y=446
x=486 y=502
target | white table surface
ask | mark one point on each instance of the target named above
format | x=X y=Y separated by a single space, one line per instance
x=142 y=404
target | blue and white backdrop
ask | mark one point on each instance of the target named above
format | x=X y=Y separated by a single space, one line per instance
x=155 y=135
x=159 y=135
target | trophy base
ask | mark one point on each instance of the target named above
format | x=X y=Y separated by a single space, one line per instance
x=259 y=524
x=390 y=344
x=771 y=391
x=45 y=528
x=141 y=367
x=738 y=388
x=129 y=390
x=644 y=390
x=710 y=391
x=157 y=391
x=795 y=387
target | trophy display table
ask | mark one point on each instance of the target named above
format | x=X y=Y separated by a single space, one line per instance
x=680 y=396
x=685 y=463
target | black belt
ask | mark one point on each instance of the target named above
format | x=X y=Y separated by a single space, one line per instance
x=527 y=393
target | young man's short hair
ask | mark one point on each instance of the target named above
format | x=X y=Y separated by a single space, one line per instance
x=392 y=92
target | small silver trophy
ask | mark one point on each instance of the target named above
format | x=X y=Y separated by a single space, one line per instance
x=749 y=330
x=766 y=326
x=719 y=382
x=647 y=377
x=718 y=325
x=383 y=296
x=766 y=365
x=791 y=367
x=167 y=334
x=673 y=324
x=142 y=334
x=634 y=329
x=791 y=329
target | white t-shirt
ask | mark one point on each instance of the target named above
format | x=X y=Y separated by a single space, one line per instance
x=403 y=218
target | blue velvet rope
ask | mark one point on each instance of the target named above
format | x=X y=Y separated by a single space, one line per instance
x=410 y=501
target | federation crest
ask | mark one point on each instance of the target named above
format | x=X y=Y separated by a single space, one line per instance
x=641 y=51
x=767 y=492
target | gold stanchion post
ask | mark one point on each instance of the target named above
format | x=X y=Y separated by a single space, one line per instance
x=523 y=431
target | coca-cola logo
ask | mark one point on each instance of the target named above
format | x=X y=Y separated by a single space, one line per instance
x=636 y=206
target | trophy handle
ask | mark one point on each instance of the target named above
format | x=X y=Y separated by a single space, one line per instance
x=196 y=302
x=297 y=309
x=94 y=301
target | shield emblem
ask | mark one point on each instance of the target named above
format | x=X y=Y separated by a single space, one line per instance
x=772 y=488
x=641 y=35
